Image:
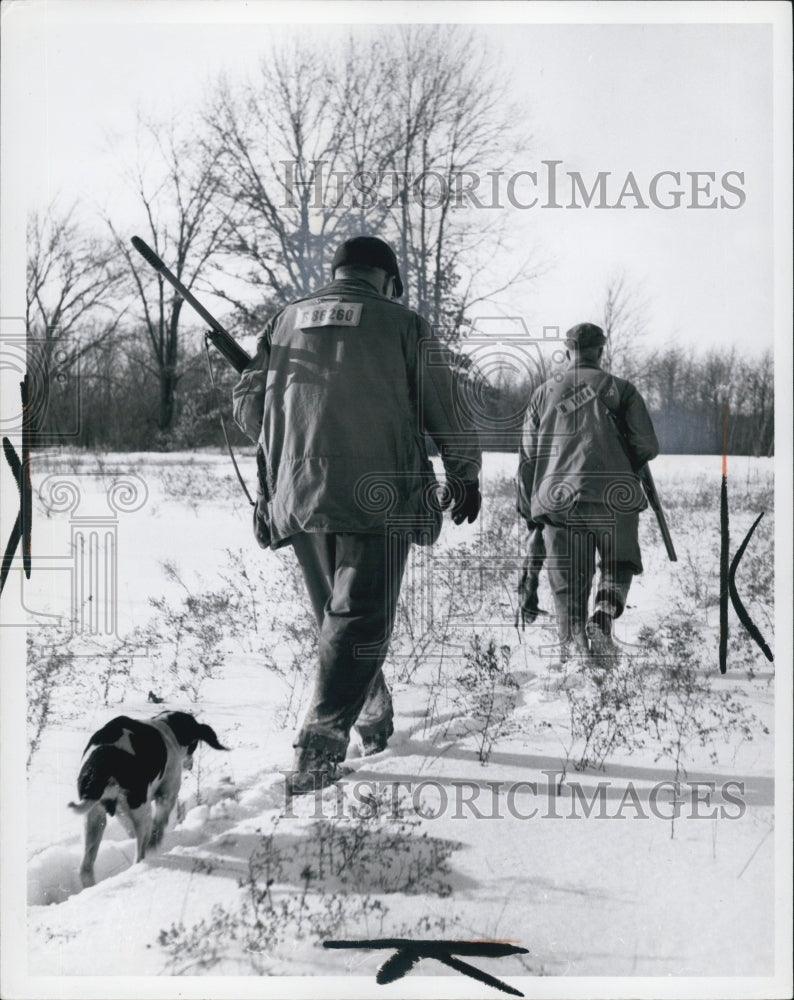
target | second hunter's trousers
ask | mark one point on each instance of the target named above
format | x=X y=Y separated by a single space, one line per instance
x=591 y=530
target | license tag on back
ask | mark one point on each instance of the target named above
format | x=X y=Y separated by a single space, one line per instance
x=582 y=395
x=330 y=314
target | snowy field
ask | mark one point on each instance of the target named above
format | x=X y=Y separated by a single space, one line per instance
x=474 y=822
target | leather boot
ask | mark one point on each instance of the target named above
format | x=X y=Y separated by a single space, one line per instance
x=599 y=631
x=375 y=742
x=314 y=766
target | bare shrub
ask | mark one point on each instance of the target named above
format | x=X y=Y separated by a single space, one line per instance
x=485 y=694
x=51 y=669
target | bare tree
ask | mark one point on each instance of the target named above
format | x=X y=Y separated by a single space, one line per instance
x=386 y=135
x=625 y=325
x=759 y=381
x=291 y=142
x=72 y=286
x=177 y=183
x=72 y=303
x=451 y=129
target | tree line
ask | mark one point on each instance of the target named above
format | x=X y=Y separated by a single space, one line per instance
x=247 y=201
x=685 y=390
x=685 y=393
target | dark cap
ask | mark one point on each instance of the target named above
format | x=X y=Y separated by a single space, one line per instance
x=368 y=251
x=585 y=335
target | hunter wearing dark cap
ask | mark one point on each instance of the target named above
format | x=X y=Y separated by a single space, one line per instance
x=344 y=385
x=585 y=435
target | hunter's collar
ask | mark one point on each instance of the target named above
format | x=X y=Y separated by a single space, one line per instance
x=354 y=284
x=584 y=364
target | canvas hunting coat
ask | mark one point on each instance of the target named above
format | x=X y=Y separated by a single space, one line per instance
x=584 y=437
x=343 y=387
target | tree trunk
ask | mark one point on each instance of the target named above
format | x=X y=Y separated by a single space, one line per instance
x=167 y=393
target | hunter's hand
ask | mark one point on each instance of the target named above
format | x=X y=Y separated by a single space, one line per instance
x=467 y=504
x=466 y=497
x=530 y=609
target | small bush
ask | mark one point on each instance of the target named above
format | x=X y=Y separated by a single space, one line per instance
x=485 y=694
x=50 y=669
x=190 y=637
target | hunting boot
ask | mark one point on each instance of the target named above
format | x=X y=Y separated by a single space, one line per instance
x=376 y=741
x=314 y=766
x=599 y=632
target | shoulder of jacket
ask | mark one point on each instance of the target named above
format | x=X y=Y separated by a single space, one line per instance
x=626 y=389
x=318 y=293
x=406 y=313
x=547 y=386
x=613 y=391
x=277 y=314
x=539 y=393
x=270 y=324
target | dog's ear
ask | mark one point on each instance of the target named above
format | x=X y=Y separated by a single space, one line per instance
x=187 y=730
x=182 y=725
x=207 y=733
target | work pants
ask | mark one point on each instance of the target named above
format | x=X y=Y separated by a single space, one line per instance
x=590 y=530
x=353 y=582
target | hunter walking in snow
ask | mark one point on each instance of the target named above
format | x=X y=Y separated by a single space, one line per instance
x=585 y=436
x=344 y=384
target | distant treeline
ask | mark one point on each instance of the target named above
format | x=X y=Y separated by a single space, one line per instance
x=109 y=402
x=684 y=392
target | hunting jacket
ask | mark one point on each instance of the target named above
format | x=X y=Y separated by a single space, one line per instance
x=584 y=438
x=343 y=386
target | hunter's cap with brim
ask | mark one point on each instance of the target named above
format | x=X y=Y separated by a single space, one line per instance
x=368 y=251
x=585 y=335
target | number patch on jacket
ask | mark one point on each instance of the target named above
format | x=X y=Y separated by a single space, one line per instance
x=337 y=314
x=582 y=395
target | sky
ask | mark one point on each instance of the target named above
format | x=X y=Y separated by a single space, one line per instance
x=637 y=99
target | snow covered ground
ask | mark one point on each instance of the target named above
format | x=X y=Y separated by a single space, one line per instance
x=460 y=847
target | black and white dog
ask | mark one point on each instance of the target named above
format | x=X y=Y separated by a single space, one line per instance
x=127 y=765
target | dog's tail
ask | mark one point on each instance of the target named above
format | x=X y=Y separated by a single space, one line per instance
x=83 y=806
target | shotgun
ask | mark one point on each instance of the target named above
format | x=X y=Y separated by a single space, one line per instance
x=648 y=485
x=653 y=499
x=222 y=339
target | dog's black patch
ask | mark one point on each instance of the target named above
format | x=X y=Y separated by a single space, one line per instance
x=134 y=769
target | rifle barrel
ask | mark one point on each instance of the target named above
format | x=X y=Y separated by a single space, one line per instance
x=237 y=357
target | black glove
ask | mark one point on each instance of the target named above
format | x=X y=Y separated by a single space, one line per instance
x=467 y=506
x=529 y=609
